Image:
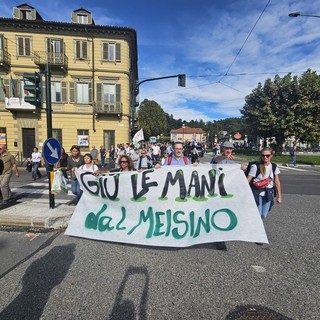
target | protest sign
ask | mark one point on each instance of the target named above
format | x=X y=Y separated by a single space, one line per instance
x=171 y=206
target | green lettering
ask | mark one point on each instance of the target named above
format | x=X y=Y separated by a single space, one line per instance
x=92 y=219
x=205 y=224
x=104 y=227
x=124 y=214
x=158 y=224
x=175 y=232
x=233 y=220
x=144 y=218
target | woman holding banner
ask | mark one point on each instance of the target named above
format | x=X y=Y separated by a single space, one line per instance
x=125 y=164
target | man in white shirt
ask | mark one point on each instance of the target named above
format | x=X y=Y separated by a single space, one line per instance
x=36 y=158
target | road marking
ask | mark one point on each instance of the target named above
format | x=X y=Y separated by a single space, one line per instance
x=291 y=168
x=259 y=269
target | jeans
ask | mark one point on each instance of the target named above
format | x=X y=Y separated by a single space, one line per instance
x=263 y=207
x=103 y=161
x=35 y=170
x=75 y=188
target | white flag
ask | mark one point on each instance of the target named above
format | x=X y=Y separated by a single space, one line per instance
x=138 y=136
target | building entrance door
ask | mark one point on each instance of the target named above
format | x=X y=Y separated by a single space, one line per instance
x=28 y=141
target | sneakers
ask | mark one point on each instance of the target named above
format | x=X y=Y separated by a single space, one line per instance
x=4 y=201
x=221 y=246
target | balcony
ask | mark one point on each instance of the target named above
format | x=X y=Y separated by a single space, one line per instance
x=57 y=61
x=5 y=60
x=108 y=109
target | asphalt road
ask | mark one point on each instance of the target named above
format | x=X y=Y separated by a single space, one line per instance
x=53 y=276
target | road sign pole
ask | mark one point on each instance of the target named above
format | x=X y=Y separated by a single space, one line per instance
x=49 y=130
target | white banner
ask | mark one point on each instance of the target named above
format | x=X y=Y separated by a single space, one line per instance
x=171 y=206
x=138 y=136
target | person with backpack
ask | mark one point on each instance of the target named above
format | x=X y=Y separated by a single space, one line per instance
x=176 y=158
x=263 y=177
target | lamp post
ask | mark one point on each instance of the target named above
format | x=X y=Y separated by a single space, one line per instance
x=183 y=127
x=295 y=14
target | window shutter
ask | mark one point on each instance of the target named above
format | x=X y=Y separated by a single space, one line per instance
x=105 y=51
x=74 y=17
x=118 y=52
x=99 y=95
x=49 y=46
x=72 y=91
x=77 y=49
x=84 y=49
x=90 y=92
x=118 y=97
x=28 y=46
x=6 y=86
x=16 y=13
x=20 y=46
x=63 y=91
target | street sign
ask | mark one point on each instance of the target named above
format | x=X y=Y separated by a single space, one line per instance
x=51 y=150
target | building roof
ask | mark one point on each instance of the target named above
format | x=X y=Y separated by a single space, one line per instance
x=187 y=130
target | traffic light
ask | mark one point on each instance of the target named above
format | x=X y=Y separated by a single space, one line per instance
x=33 y=88
x=181 y=80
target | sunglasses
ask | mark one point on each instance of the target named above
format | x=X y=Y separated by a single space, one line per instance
x=265 y=155
x=123 y=161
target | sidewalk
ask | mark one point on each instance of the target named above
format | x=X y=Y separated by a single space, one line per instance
x=37 y=215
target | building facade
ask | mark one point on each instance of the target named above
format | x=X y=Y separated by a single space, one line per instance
x=187 y=134
x=92 y=71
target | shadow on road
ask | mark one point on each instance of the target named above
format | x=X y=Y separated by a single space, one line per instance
x=38 y=281
x=124 y=308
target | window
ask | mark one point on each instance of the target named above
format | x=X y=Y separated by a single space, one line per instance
x=83 y=19
x=111 y=51
x=55 y=51
x=109 y=140
x=57 y=134
x=26 y=14
x=58 y=91
x=81 y=49
x=24 y=46
x=81 y=92
x=109 y=97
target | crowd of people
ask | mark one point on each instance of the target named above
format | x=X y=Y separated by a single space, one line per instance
x=262 y=175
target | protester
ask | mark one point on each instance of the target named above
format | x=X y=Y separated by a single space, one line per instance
x=88 y=165
x=102 y=155
x=94 y=154
x=194 y=155
x=125 y=164
x=9 y=165
x=165 y=155
x=263 y=172
x=293 y=155
x=63 y=163
x=226 y=156
x=36 y=161
x=144 y=161
x=75 y=160
x=177 y=157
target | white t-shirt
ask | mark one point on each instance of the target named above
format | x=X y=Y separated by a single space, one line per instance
x=269 y=173
x=36 y=156
x=92 y=168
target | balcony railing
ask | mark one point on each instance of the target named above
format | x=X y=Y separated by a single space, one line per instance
x=52 y=58
x=5 y=59
x=108 y=108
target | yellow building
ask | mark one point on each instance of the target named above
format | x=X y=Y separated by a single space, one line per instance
x=93 y=73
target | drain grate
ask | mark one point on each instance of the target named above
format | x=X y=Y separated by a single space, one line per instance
x=251 y=312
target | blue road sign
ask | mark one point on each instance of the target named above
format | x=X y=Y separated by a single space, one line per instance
x=51 y=151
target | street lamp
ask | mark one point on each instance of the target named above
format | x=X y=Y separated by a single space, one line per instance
x=295 y=14
x=183 y=127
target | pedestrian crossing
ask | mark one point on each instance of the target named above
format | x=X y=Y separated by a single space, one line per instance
x=37 y=191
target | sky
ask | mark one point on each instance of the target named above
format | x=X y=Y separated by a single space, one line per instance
x=225 y=47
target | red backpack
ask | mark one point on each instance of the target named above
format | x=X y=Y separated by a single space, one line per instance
x=185 y=159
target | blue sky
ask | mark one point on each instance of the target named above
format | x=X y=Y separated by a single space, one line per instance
x=202 y=39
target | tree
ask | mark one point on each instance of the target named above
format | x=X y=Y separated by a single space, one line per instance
x=285 y=107
x=152 y=118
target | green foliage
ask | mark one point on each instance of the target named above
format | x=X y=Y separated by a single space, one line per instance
x=152 y=118
x=285 y=107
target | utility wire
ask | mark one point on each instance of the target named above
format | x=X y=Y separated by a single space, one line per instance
x=247 y=38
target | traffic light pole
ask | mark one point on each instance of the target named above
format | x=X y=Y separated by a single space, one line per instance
x=135 y=92
x=49 y=130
